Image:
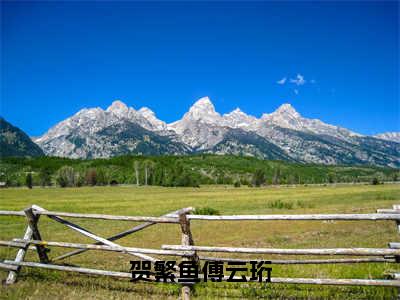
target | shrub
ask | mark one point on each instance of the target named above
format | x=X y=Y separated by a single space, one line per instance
x=278 y=204
x=395 y=177
x=79 y=179
x=65 y=176
x=258 y=177
x=91 y=177
x=375 y=181
x=206 y=211
x=303 y=204
x=45 y=177
x=236 y=184
x=102 y=177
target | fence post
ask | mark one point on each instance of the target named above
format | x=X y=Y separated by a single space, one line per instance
x=32 y=222
x=187 y=240
x=397 y=258
x=12 y=275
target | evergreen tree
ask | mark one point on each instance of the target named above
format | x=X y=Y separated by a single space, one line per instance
x=258 y=177
x=28 y=180
x=45 y=177
x=395 y=177
x=102 y=176
x=375 y=181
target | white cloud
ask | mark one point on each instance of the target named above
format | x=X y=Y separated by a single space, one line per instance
x=299 y=80
x=282 y=81
x=296 y=91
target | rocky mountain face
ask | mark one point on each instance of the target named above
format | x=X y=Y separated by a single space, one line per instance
x=287 y=117
x=283 y=135
x=389 y=136
x=14 y=142
x=98 y=133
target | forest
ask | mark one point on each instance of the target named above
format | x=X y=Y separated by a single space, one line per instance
x=173 y=171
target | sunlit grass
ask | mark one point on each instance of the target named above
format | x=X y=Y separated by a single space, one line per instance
x=155 y=201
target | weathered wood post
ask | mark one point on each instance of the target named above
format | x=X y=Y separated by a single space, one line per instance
x=397 y=258
x=32 y=223
x=187 y=240
x=12 y=275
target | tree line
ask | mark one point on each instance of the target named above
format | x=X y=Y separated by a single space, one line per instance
x=175 y=171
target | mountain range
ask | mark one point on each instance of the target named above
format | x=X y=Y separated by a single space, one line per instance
x=15 y=142
x=283 y=135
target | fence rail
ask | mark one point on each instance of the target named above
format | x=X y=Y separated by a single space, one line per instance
x=32 y=240
x=317 y=217
x=385 y=215
x=333 y=251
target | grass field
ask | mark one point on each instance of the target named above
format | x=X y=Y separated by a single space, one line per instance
x=154 y=201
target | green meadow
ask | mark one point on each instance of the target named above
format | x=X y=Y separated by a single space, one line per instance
x=155 y=201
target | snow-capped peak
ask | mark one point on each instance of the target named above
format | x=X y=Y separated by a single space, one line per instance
x=145 y=111
x=285 y=116
x=197 y=124
x=89 y=112
x=119 y=108
x=287 y=109
x=237 y=118
x=236 y=111
x=203 y=110
x=203 y=104
x=92 y=133
x=389 y=136
x=150 y=116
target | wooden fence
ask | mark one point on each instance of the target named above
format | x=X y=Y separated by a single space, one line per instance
x=32 y=240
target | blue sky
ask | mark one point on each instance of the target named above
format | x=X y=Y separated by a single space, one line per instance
x=58 y=57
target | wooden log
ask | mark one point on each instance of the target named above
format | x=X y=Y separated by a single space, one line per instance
x=395 y=276
x=20 y=243
x=12 y=213
x=394 y=245
x=397 y=208
x=327 y=251
x=324 y=281
x=111 y=217
x=187 y=240
x=14 y=244
x=317 y=217
x=12 y=275
x=81 y=270
x=71 y=269
x=388 y=211
x=8 y=267
x=32 y=222
x=124 y=233
x=397 y=257
x=302 y=261
x=92 y=235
